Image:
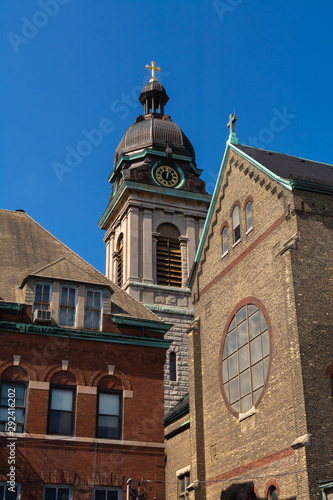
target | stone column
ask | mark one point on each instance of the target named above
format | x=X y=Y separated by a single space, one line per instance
x=132 y=247
x=147 y=246
x=154 y=259
x=183 y=251
x=192 y=241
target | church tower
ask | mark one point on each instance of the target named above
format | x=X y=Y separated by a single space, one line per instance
x=153 y=223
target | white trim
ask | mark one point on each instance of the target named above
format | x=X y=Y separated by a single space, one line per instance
x=183 y=471
x=93 y=290
x=236 y=243
x=17 y=359
x=50 y=284
x=247 y=414
x=86 y=389
x=37 y=384
x=68 y=285
x=249 y=230
x=54 y=437
x=128 y=394
x=224 y=254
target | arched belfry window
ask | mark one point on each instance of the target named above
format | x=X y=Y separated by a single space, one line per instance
x=168 y=259
x=120 y=260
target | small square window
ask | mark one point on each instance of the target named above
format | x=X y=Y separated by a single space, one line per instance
x=61 y=411
x=93 y=310
x=52 y=492
x=8 y=494
x=109 y=409
x=68 y=301
x=12 y=406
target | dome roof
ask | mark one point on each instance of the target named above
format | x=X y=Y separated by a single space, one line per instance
x=157 y=133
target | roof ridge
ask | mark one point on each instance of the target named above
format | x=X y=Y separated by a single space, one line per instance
x=284 y=154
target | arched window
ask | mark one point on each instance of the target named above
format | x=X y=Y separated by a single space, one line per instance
x=248 y=215
x=236 y=224
x=224 y=240
x=173 y=366
x=168 y=259
x=120 y=261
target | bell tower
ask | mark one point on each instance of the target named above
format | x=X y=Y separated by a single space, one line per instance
x=153 y=224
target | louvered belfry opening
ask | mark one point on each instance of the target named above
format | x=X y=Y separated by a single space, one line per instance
x=169 y=265
x=120 y=262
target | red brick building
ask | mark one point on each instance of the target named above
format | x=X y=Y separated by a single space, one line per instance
x=81 y=374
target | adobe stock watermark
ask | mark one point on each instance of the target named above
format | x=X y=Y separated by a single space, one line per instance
x=226 y=7
x=31 y=27
x=279 y=122
x=94 y=137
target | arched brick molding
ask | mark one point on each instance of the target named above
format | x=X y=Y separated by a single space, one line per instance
x=271 y=482
x=223 y=225
x=63 y=377
x=235 y=203
x=96 y=378
x=52 y=370
x=32 y=374
x=249 y=198
x=329 y=371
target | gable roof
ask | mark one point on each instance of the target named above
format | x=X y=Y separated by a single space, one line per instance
x=27 y=249
x=289 y=171
x=291 y=167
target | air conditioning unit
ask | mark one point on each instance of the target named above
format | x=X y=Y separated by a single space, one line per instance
x=41 y=315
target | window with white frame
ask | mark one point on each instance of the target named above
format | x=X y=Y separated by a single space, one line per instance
x=67 y=309
x=183 y=482
x=109 y=407
x=107 y=493
x=248 y=215
x=12 y=406
x=61 y=410
x=224 y=240
x=52 y=492
x=42 y=296
x=236 y=224
x=9 y=494
x=93 y=309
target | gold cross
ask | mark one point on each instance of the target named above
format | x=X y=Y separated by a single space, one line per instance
x=153 y=69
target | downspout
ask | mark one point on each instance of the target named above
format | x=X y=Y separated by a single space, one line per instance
x=129 y=484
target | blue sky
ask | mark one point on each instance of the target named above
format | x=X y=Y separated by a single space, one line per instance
x=71 y=66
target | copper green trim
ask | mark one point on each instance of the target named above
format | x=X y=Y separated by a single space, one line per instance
x=82 y=334
x=149 y=324
x=325 y=485
x=144 y=152
x=150 y=188
x=311 y=186
x=11 y=307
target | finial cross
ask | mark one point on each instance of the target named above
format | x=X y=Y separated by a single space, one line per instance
x=231 y=123
x=153 y=69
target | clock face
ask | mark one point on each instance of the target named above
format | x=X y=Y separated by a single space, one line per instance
x=167 y=176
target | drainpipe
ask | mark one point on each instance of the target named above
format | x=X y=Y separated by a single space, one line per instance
x=129 y=484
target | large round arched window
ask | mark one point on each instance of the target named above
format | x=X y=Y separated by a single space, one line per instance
x=245 y=356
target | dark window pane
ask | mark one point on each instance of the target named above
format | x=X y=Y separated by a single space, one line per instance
x=60 y=423
x=108 y=426
x=63 y=493
x=112 y=495
x=50 y=493
x=100 y=495
x=62 y=399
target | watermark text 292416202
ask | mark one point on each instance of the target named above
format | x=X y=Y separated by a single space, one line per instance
x=30 y=27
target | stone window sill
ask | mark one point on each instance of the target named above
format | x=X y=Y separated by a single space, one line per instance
x=236 y=243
